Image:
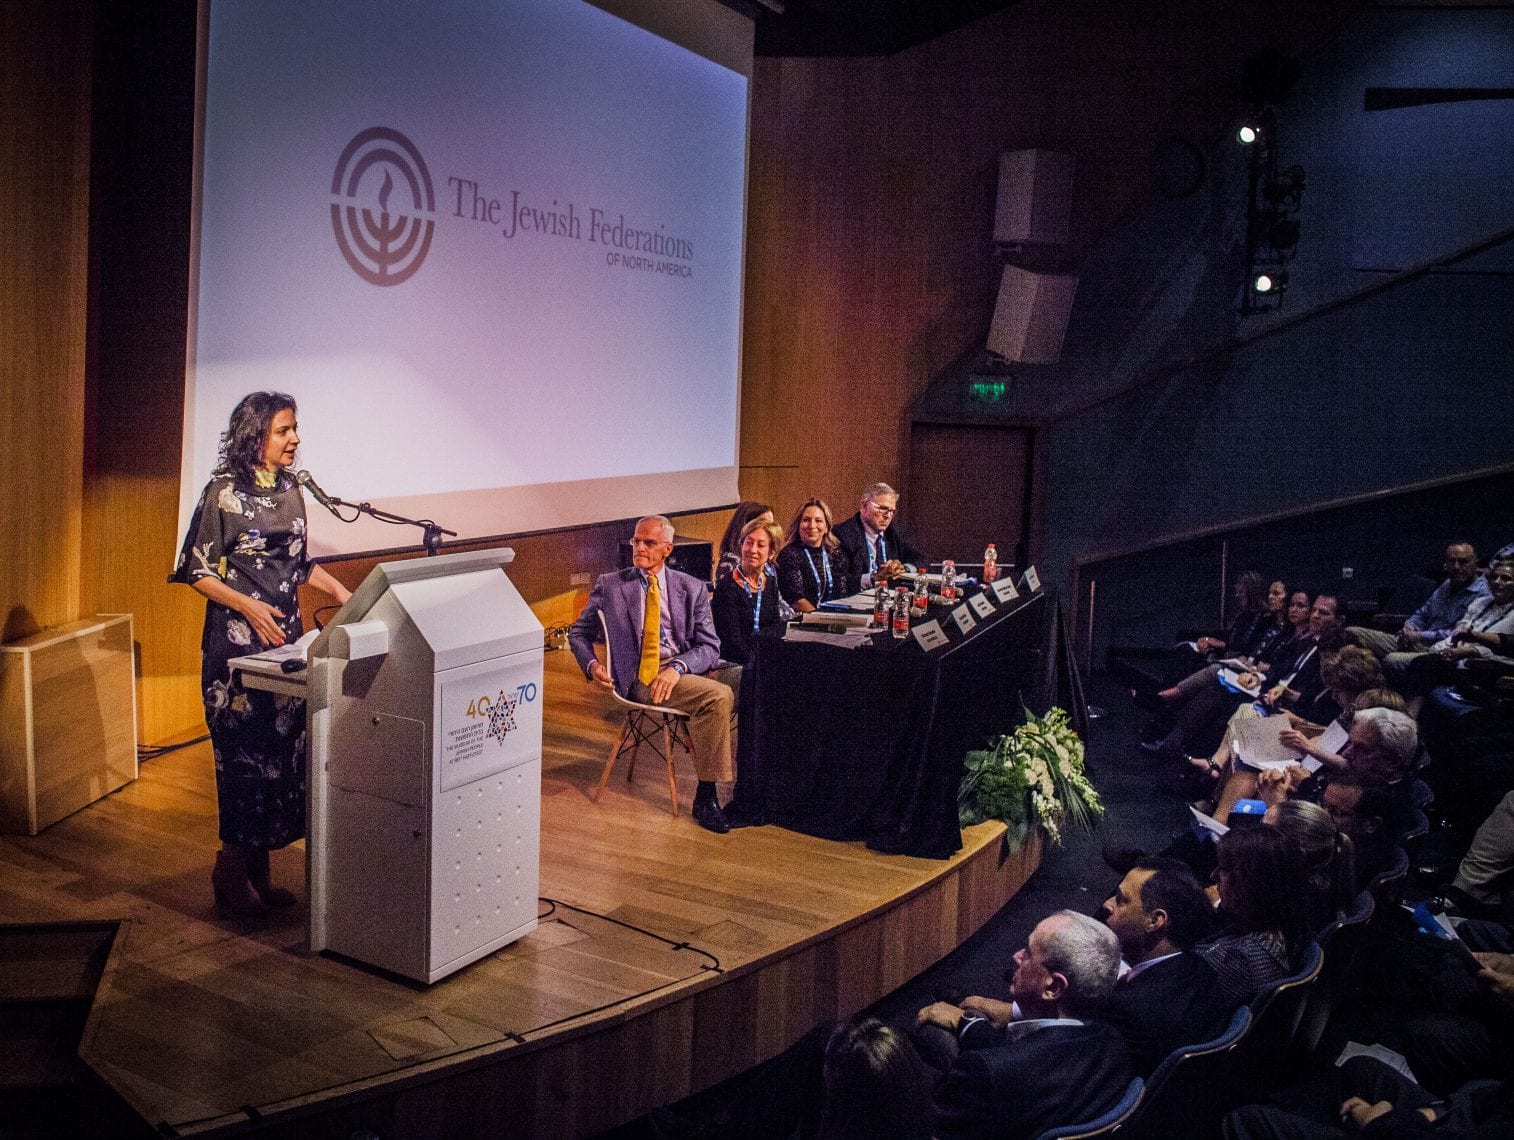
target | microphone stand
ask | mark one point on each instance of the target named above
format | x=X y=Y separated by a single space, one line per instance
x=431 y=531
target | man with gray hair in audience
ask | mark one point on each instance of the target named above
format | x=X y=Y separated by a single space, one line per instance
x=875 y=548
x=1045 y=1064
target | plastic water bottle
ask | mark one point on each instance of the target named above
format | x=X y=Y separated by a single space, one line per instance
x=990 y=564
x=922 y=593
x=901 y=615
x=949 y=580
x=880 y=606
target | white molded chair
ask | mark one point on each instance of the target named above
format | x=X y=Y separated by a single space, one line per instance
x=659 y=726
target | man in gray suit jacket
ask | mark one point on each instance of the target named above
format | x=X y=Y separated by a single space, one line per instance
x=668 y=668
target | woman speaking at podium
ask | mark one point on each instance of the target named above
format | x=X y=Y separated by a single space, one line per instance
x=246 y=552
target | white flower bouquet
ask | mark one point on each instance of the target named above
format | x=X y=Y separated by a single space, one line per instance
x=1033 y=775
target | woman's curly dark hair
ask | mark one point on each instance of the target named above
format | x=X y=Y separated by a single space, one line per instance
x=246 y=434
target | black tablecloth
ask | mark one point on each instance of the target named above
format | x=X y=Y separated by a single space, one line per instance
x=868 y=743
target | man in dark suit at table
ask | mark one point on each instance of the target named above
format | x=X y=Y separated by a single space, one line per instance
x=662 y=645
x=1049 y=1066
x=874 y=547
x=1169 y=996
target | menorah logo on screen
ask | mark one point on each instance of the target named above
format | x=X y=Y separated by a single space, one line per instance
x=383 y=206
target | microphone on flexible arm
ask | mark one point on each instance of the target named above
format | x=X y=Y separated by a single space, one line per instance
x=307 y=480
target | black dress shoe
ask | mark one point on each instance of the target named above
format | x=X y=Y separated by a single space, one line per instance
x=738 y=813
x=707 y=814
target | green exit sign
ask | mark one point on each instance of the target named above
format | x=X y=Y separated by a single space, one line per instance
x=987 y=391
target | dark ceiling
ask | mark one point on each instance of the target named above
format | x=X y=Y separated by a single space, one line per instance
x=859 y=27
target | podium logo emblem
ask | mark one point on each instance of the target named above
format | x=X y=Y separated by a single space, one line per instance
x=383 y=206
x=502 y=717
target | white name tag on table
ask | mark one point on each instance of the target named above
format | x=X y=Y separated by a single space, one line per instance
x=1032 y=579
x=980 y=603
x=963 y=616
x=1004 y=590
x=930 y=635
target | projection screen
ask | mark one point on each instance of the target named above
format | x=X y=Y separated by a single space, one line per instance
x=493 y=249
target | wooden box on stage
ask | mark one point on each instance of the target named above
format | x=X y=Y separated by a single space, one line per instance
x=68 y=720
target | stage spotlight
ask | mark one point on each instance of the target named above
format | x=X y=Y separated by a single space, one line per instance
x=1248 y=133
x=1270 y=281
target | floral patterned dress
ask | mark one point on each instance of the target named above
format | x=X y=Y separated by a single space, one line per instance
x=253 y=539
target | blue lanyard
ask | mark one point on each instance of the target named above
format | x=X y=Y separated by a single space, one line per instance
x=825 y=560
x=757 y=595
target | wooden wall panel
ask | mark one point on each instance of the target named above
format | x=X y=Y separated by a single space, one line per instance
x=972 y=480
x=44 y=228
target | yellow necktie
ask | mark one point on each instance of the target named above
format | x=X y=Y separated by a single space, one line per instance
x=651 y=633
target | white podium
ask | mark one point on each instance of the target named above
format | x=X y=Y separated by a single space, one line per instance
x=425 y=707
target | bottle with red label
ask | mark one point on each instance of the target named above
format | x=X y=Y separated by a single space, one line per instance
x=990 y=564
x=900 y=625
x=880 y=606
x=949 y=581
x=922 y=593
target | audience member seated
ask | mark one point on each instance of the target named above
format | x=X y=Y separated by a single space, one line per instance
x=1486 y=873
x=1380 y=749
x=1197 y=724
x=1328 y=855
x=1271 y=630
x=1169 y=996
x=1052 y=1065
x=1439 y=614
x=1260 y=879
x=876 y=551
x=746 y=599
x=875 y=1085
x=1240 y=637
x=1476 y=635
x=1369 y=815
x=663 y=645
x=1376 y=1100
x=812 y=567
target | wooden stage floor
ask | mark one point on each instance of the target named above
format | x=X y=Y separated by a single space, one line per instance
x=667 y=958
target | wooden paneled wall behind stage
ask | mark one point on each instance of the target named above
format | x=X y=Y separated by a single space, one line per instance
x=44 y=223
x=871 y=191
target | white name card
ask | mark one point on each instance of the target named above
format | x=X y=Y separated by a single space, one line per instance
x=1004 y=590
x=981 y=604
x=963 y=616
x=930 y=635
x=1032 y=579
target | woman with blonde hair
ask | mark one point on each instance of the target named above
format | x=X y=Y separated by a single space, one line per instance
x=812 y=567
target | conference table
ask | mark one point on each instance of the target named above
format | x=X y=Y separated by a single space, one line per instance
x=868 y=743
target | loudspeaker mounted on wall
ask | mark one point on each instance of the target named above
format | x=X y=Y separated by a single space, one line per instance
x=1030 y=316
x=1035 y=198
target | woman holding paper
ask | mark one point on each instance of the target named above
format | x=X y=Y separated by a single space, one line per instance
x=245 y=552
